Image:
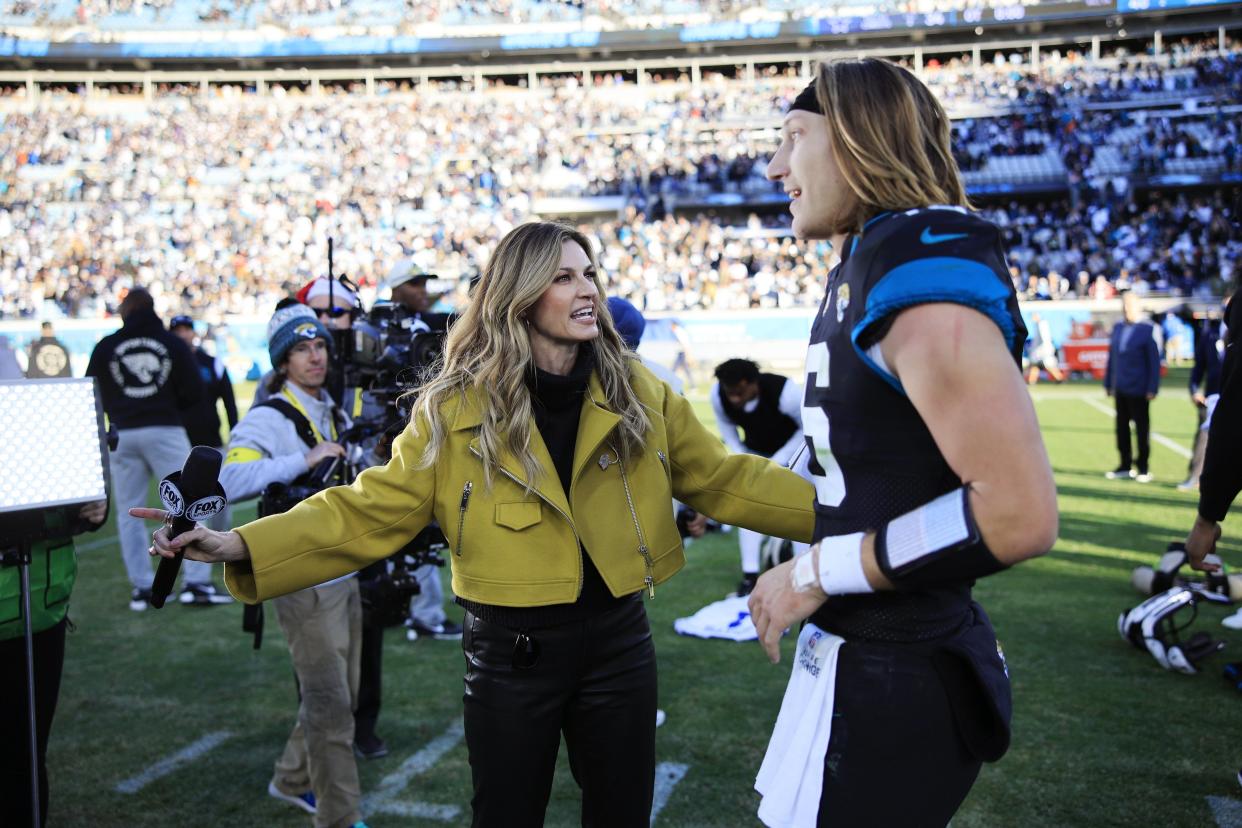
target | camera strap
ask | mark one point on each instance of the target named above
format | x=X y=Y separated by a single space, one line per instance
x=303 y=426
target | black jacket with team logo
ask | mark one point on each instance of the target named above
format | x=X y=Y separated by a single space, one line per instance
x=146 y=374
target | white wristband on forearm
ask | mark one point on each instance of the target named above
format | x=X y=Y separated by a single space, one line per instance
x=840 y=565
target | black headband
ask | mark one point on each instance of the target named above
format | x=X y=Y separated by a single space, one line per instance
x=807 y=100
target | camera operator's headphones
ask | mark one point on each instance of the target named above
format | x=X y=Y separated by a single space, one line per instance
x=1151 y=626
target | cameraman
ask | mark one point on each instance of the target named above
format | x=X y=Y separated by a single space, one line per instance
x=280 y=442
x=407 y=283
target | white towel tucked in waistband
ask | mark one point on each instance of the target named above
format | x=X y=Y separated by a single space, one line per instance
x=791 y=777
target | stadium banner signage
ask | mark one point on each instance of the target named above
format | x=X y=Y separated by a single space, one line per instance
x=733 y=30
x=566 y=40
x=550 y=40
x=1149 y=5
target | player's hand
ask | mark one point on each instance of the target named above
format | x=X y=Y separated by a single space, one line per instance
x=775 y=606
x=698 y=526
x=199 y=544
x=94 y=513
x=1199 y=400
x=322 y=451
x=1201 y=542
x=1151 y=397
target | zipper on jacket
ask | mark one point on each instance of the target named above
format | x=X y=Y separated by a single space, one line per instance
x=555 y=508
x=461 y=515
x=664 y=460
x=649 y=580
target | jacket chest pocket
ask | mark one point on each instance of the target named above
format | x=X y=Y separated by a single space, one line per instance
x=520 y=515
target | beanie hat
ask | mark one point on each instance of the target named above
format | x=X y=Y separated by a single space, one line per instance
x=342 y=296
x=292 y=325
x=628 y=321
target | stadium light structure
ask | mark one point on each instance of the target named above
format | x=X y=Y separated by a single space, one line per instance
x=53 y=456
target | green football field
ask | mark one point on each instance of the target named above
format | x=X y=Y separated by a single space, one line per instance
x=169 y=718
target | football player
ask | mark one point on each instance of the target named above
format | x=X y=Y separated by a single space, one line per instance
x=929 y=467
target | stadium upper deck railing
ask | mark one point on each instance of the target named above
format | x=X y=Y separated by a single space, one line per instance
x=402 y=38
x=96 y=86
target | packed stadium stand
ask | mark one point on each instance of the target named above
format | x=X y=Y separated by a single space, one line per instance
x=1108 y=158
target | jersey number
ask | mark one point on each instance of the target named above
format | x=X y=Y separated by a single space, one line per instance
x=830 y=487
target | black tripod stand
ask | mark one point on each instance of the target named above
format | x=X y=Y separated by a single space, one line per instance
x=18 y=532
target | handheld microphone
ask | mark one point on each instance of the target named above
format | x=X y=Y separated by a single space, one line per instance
x=190 y=495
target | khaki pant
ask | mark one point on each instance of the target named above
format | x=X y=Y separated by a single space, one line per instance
x=323 y=626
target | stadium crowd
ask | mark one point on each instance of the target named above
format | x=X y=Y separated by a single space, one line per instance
x=145 y=193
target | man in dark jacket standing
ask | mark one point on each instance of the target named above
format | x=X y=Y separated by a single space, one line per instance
x=146 y=378
x=1132 y=378
x=48 y=355
x=202 y=422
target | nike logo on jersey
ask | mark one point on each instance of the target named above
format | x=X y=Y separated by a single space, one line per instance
x=929 y=237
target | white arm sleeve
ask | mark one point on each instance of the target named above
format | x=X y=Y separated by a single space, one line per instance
x=728 y=429
x=791 y=406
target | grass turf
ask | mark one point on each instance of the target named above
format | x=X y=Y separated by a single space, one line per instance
x=1102 y=735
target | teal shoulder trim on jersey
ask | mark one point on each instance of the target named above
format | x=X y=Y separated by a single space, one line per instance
x=938 y=279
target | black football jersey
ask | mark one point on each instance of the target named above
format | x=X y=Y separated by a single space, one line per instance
x=872 y=457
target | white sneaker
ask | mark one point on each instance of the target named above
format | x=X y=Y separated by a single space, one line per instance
x=305 y=801
x=1145 y=477
x=1233 y=622
x=203 y=595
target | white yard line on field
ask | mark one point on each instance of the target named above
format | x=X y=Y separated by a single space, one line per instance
x=1171 y=445
x=170 y=763
x=392 y=784
x=419 y=810
x=667 y=775
x=98 y=543
x=1226 y=812
x=1176 y=448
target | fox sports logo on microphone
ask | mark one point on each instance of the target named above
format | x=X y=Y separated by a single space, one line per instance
x=171 y=497
x=204 y=508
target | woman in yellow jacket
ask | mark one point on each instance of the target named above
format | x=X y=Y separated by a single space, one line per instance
x=549 y=455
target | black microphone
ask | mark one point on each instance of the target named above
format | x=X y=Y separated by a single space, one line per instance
x=190 y=495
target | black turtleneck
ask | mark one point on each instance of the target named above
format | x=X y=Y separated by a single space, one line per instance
x=557 y=404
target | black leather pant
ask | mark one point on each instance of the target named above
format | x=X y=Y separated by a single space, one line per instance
x=594 y=681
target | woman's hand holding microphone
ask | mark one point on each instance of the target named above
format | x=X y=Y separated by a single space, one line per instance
x=199 y=544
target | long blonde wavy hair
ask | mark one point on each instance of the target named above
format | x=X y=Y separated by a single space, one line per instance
x=488 y=351
x=891 y=138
